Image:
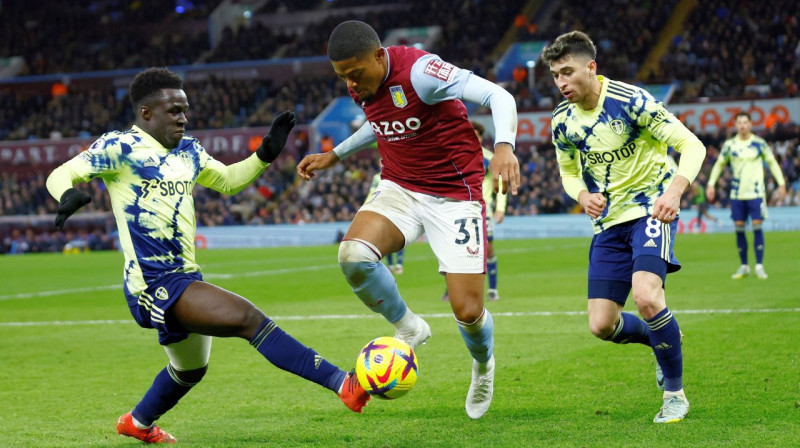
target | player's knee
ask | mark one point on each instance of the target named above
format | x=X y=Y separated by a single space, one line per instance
x=357 y=258
x=739 y=228
x=647 y=297
x=601 y=328
x=191 y=377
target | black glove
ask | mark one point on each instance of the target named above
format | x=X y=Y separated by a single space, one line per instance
x=71 y=201
x=273 y=142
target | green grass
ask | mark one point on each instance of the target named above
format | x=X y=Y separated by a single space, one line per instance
x=556 y=385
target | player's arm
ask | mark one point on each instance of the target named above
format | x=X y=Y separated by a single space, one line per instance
x=99 y=159
x=716 y=171
x=775 y=169
x=569 y=167
x=663 y=125
x=364 y=137
x=231 y=179
x=435 y=81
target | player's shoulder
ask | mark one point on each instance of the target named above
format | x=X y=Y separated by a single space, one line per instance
x=109 y=140
x=559 y=111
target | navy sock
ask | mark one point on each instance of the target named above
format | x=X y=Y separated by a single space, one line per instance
x=491 y=268
x=162 y=396
x=286 y=353
x=400 y=256
x=390 y=259
x=665 y=338
x=741 y=244
x=630 y=329
x=758 y=243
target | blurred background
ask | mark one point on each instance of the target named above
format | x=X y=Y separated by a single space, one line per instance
x=65 y=68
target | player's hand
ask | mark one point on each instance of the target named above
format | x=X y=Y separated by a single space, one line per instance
x=316 y=162
x=668 y=204
x=711 y=195
x=780 y=193
x=498 y=217
x=71 y=201
x=273 y=143
x=593 y=203
x=505 y=166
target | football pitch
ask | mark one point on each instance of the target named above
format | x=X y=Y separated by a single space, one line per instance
x=72 y=360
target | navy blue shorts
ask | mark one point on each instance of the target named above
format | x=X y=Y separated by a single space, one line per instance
x=644 y=244
x=150 y=308
x=754 y=208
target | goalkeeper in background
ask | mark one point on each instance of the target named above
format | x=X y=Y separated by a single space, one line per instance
x=150 y=171
x=611 y=142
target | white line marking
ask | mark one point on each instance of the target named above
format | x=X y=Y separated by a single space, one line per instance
x=436 y=315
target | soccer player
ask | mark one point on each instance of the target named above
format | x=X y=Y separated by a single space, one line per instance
x=150 y=171
x=494 y=215
x=430 y=183
x=611 y=143
x=747 y=153
x=394 y=268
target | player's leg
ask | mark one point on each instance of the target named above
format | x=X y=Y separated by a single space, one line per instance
x=381 y=226
x=188 y=362
x=491 y=262
x=610 y=270
x=651 y=265
x=390 y=261
x=739 y=214
x=456 y=232
x=756 y=210
x=398 y=267
x=210 y=310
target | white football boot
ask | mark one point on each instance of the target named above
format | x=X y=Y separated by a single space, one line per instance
x=481 y=389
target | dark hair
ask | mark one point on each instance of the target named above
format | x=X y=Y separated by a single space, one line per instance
x=352 y=39
x=478 y=127
x=744 y=114
x=150 y=82
x=573 y=43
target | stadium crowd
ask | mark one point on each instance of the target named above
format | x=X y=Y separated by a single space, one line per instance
x=710 y=58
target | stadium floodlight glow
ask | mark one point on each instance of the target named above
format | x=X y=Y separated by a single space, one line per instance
x=247 y=14
x=531 y=64
x=179 y=9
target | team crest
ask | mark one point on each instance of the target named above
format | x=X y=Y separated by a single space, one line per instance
x=161 y=293
x=617 y=126
x=398 y=97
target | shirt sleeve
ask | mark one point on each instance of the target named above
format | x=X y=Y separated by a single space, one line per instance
x=569 y=163
x=664 y=127
x=722 y=160
x=100 y=160
x=435 y=80
x=360 y=139
x=229 y=179
x=772 y=163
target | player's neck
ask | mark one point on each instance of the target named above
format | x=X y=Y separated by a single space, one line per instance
x=743 y=136
x=590 y=101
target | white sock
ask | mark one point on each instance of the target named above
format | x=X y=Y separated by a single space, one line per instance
x=759 y=266
x=676 y=393
x=407 y=323
x=138 y=424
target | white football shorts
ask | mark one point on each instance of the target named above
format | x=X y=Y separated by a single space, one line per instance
x=455 y=229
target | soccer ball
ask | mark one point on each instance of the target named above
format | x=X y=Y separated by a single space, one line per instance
x=387 y=368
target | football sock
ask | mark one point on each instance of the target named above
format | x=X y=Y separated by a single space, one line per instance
x=390 y=259
x=665 y=338
x=400 y=256
x=491 y=268
x=630 y=329
x=479 y=336
x=741 y=243
x=162 y=396
x=286 y=353
x=758 y=243
x=370 y=279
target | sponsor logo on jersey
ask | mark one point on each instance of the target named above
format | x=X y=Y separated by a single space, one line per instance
x=617 y=126
x=398 y=96
x=473 y=251
x=152 y=161
x=615 y=155
x=161 y=293
x=440 y=69
x=166 y=187
x=397 y=129
x=650 y=243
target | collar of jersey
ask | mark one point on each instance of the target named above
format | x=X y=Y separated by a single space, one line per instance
x=597 y=109
x=150 y=142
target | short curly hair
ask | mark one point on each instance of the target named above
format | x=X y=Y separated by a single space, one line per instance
x=352 y=39
x=151 y=81
x=569 y=44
